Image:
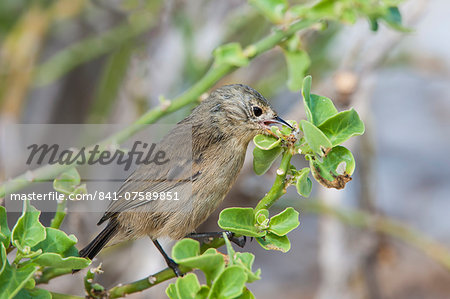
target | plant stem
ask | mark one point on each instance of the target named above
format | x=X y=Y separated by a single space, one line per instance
x=64 y=296
x=93 y=290
x=145 y=283
x=49 y=172
x=41 y=174
x=50 y=273
x=280 y=184
x=59 y=215
x=88 y=281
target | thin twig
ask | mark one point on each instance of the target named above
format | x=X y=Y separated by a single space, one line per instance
x=64 y=296
x=280 y=184
x=60 y=214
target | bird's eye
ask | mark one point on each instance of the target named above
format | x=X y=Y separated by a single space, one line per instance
x=257 y=111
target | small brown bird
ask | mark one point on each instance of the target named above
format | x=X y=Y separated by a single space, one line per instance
x=206 y=151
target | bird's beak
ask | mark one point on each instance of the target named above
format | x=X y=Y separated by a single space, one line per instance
x=278 y=120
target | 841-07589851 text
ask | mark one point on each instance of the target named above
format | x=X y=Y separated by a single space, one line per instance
x=169 y=195
x=97 y=195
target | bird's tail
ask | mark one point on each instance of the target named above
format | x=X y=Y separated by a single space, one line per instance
x=93 y=248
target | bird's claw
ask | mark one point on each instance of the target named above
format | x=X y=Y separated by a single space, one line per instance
x=174 y=266
x=239 y=241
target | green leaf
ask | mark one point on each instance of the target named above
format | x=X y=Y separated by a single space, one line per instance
x=50 y=259
x=231 y=54
x=266 y=142
x=322 y=108
x=262 y=216
x=343 y=11
x=306 y=94
x=33 y=294
x=349 y=15
x=315 y=138
x=229 y=284
x=323 y=9
x=304 y=184
x=393 y=19
x=284 y=222
x=393 y=16
x=274 y=242
x=3 y=258
x=262 y=159
x=246 y=295
x=373 y=22
x=81 y=189
x=342 y=126
x=57 y=241
x=187 y=286
x=186 y=253
x=211 y=264
x=274 y=10
x=286 y=130
x=245 y=260
x=230 y=251
x=171 y=291
x=27 y=253
x=12 y=279
x=31 y=283
x=240 y=221
x=203 y=292
x=5 y=233
x=97 y=288
x=67 y=181
x=28 y=231
x=318 y=108
x=185 y=248
x=335 y=169
x=298 y=63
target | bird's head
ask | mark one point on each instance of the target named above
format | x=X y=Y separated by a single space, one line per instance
x=243 y=110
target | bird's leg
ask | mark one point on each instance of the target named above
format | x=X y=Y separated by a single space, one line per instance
x=214 y=235
x=170 y=262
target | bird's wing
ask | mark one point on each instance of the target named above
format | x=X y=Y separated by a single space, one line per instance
x=177 y=176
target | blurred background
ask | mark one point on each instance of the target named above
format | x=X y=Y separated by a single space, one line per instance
x=384 y=236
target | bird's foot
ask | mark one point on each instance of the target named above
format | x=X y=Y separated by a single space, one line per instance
x=205 y=237
x=175 y=267
x=239 y=241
